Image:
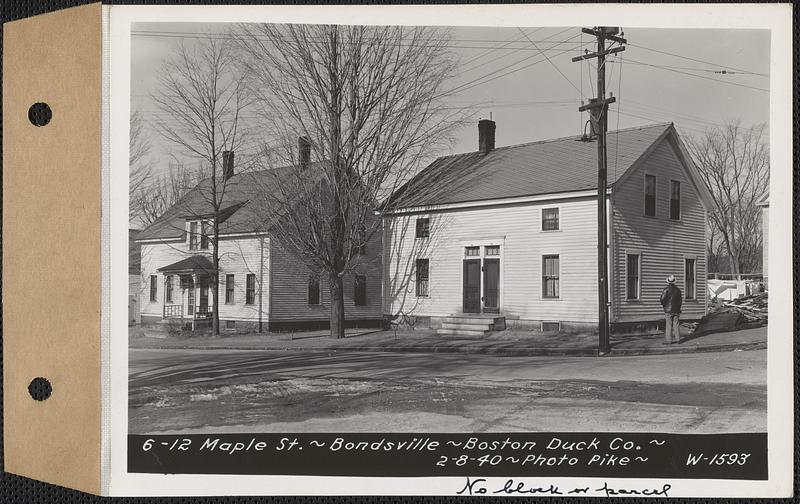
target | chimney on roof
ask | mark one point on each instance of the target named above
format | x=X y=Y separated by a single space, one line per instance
x=486 y=129
x=227 y=164
x=304 y=152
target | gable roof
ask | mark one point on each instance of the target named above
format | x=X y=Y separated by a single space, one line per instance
x=238 y=212
x=555 y=166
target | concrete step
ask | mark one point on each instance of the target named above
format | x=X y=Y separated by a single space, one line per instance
x=495 y=322
x=485 y=326
x=462 y=332
x=458 y=319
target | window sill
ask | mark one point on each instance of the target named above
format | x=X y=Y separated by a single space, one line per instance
x=550 y=230
x=549 y=298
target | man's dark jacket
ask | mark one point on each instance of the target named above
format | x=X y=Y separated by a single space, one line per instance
x=671 y=299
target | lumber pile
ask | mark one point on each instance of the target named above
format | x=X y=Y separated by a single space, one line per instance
x=753 y=308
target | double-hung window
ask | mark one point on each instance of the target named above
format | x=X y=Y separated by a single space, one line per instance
x=205 y=231
x=168 y=289
x=550 y=276
x=250 y=290
x=674 y=200
x=313 y=290
x=360 y=290
x=423 y=227
x=153 y=288
x=229 y=293
x=423 y=274
x=689 y=274
x=632 y=276
x=193 y=236
x=650 y=195
x=550 y=219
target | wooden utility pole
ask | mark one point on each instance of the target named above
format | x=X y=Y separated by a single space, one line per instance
x=598 y=108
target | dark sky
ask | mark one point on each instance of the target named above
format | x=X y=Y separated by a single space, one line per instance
x=531 y=100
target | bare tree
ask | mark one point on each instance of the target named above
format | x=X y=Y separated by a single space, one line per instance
x=366 y=102
x=140 y=165
x=160 y=193
x=734 y=162
x=201 y=98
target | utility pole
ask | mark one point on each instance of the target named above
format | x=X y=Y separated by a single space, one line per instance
x=598 y=108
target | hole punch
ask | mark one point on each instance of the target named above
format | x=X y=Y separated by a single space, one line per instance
x=40 y=114
x=40 y=388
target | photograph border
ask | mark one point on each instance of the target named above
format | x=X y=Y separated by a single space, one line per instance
x=117 y=22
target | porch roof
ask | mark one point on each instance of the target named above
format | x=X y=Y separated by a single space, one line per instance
x=192 y=264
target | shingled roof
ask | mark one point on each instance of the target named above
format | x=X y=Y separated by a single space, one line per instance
x=238 y=213
x=545 y=167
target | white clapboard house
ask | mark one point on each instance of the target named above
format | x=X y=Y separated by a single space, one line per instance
x=262 y=286
x=509 y=235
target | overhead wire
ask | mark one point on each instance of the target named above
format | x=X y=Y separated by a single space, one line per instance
x=554 y=65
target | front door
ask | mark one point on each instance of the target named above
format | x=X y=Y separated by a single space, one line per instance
x=472 y=286
x=491 y=285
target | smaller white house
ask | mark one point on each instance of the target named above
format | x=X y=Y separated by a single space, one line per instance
x=262 y=287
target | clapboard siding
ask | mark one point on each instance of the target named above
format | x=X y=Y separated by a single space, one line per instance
x=517 y=229
x=290 y=287
x=239 y=257
x=663 y=243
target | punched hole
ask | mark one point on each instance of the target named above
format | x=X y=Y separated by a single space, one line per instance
x=40 y=114
x=40 y=388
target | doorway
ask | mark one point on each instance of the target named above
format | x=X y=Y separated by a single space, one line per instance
x=481 y=282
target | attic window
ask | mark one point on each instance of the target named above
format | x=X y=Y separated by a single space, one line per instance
x=650 y=195
x=199 y=233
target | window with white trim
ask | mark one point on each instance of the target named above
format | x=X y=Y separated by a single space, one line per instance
x=633 y=276
x=650 y=195
x=689 y=276
x=550 y=219
x=423 y=275
x=550 y=276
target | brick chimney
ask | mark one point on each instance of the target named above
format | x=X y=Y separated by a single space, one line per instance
x=227 y=164
x=304 y=152
x=486 y=129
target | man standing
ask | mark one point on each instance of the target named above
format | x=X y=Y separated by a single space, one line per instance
x=671 y=300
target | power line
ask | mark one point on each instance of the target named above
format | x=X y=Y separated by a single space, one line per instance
x=695 y=59
x=698 y=76
x=470 y=85
x=489 y=51
x=553 y=64
x=708 y=70
x=444 y=44
x=512 y=52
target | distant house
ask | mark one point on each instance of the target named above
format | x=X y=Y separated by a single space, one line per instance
x=261 y=285
x=134 y=278
x=764 y=204
x=509 y=235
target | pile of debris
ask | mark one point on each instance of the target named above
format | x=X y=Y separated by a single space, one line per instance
x=735 y=314
x=753 y=308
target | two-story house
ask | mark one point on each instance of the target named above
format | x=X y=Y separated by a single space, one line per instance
x=509 y=235
x=262 y=285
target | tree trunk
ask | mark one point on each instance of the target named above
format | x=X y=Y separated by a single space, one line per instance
x=337 y=306
x=215 y=284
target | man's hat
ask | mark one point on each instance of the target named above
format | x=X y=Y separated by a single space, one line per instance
x=671 y=279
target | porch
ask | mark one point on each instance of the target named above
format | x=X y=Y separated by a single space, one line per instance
x=192 y=278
